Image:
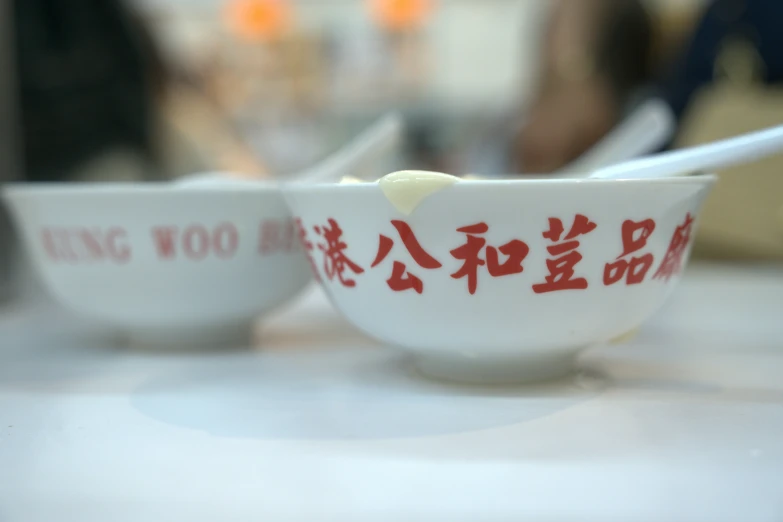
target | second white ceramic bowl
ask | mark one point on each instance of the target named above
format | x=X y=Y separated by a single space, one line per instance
x=166 y=263
x=490 y=281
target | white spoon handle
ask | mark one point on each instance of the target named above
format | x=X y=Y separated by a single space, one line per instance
x=373 y=142
x=703 y=158
x=644 y=131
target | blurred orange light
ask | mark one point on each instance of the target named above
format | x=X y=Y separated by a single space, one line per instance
x=258 y=19
x=401 y=14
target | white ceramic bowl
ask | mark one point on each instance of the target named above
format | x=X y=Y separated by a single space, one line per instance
x=489 y=321
x=166 y=263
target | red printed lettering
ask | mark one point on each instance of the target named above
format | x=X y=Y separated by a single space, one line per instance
x=50 y=245
x=565 y=255
x=269 y=237
x=225 y=240
x=117 y=249
x=401 y=279
x=92 y=243
x=308 y=247
x=196 y=241
x=634 y=236
x=470 y=253
x=289 y=236
x=80 y=245
x=57 y=245
x=165 y=241
x=672 y=261
x=336 y=261
x=275 y=236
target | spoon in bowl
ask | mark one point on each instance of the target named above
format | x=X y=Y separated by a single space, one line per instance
x=721 y=154
x=644 y=131
x=349 y=161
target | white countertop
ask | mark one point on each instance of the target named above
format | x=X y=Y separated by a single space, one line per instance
x=320 y=424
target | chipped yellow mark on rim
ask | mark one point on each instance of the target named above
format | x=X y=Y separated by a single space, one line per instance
x=626 y=337
x=406 y=189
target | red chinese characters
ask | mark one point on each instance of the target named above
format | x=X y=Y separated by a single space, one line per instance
x=633 y=268
x=672 y=261
x=308 y=247
x=515 y=252
x=564 y=255
x=276 y=236
x=336 y=261
x=401 y=279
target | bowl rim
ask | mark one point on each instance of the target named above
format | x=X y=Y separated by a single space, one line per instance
x=696 y=179
x=127 y=188
x=64 y=188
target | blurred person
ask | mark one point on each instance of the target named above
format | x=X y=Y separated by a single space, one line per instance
x=99 y=102
x=598 y=55
x=95 y=100
x=88 y=76
x=726 y=79
x=730 y=81
x=726 y=27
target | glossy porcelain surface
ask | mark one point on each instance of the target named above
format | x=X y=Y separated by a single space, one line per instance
x=165 y=263
x=500 y=280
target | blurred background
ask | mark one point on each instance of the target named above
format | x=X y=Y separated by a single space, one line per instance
x=282 y=82
x=154 y=89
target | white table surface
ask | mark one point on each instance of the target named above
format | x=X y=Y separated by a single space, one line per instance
x=321 y=424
